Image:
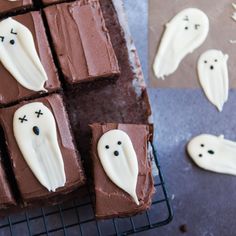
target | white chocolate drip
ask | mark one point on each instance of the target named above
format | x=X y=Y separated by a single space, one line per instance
x=119 y=160
x=35 y=131
x=213 y=76
x=213 y=153
x=234 y=14
x=183 y=34
x=19 y=56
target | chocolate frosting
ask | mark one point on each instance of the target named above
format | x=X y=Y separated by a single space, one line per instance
x=6 y=5
x=112 y=201
x=47 y=2
x=34 y=23
x=81 y=40
x=28 y=185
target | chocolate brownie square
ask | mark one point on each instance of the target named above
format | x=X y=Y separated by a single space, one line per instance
x=81 y=40
x=122 y=170
x=44 y=159
x=26 y=64
x=12 y=6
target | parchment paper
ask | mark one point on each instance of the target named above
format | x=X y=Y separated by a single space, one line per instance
x=222 y=30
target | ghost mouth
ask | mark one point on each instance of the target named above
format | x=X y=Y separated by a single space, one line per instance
x=212 y=67
x=36 y=130
x=12 y=42
x=116 y=153
x=211 y=152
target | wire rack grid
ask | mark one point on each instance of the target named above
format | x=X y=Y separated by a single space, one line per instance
x=76 y=217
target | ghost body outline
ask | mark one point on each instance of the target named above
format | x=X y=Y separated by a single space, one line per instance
x=119 y=160
x=19 y=56
x=213 y=153
x=213 y=76
x=35 y=131
x=183 y=34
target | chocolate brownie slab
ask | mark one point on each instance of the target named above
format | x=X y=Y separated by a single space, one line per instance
x=40 y=145
x=26 y=64
x=121 y=168
x=81 y=41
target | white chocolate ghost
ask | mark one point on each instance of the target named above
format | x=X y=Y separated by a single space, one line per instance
x=213 y=76
x=234 y=14
x=35 y=131
x=213 y=153
x=19 y=56
x=119 y=160
x=183 y=34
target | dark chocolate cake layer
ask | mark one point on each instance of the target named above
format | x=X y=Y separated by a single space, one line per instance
x=6 y=197
x=11 y=6
x=34 y=23
x=30 y=188
x=124 y=100
x=112 y=201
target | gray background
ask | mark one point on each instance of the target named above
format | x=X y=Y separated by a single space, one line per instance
x=204 y=201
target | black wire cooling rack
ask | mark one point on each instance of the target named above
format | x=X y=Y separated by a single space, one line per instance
x=76 y=217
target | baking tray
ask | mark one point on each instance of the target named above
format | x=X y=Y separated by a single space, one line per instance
x=76 y=217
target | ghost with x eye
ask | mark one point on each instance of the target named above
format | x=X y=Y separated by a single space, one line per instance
x=119 y=160
x=19 y=56
x=213 y=76
x=213 y=153
x=183 y=34
x=35 y=132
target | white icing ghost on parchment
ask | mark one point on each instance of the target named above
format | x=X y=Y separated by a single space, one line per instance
x=35 y=131
x=213 y=153
x=213 y=76
x=183 y=34
x=119 y=160
x=19 y=56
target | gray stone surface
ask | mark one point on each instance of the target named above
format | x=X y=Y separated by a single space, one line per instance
x=137 y=12
x=202 y=200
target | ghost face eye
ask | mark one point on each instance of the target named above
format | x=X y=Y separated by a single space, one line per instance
x=186 y=18
x=119 y=142
x=200 y=155
x=205 y=61
x=23 y=119
x=186 y=28
x=39 y=113
x=12 y=41
x=2 y=38
x=197 y=26
x=107 y=147
x=216 y=60
x=13 y=32
x=202 y=145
